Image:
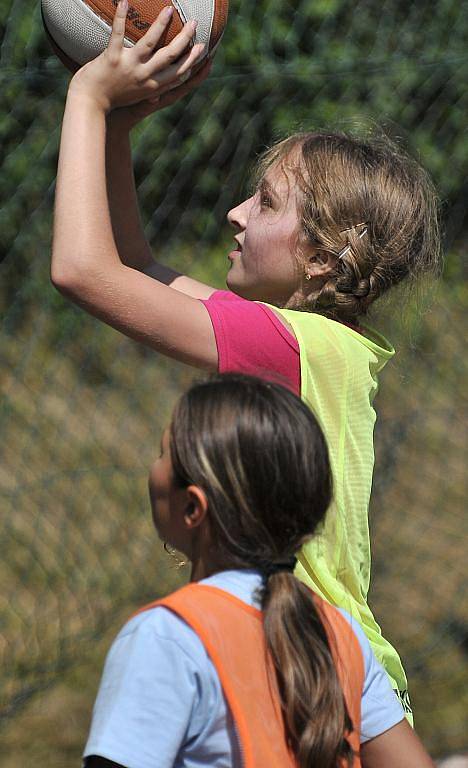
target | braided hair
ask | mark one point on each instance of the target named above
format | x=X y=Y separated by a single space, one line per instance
x=347 y=183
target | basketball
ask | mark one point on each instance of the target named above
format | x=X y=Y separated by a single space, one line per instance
x=79 y=30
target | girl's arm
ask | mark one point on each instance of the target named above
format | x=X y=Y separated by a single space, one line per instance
x=399 y=747
x=131 y=243
x=86 y=265
x=130 y=240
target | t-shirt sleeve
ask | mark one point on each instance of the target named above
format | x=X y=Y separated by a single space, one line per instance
x=252 y=339
x=150 y=701
x=380 y=707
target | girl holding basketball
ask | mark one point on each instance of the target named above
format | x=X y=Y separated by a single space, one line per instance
x=334 y=222
x=187 y=681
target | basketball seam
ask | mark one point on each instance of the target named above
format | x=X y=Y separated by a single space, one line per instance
x=182 y=12
x=84 y=8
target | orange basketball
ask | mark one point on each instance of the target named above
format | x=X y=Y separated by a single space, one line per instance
x=79 y=30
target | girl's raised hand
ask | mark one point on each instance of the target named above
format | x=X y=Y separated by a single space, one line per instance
x=123 y=76
x=128 y=117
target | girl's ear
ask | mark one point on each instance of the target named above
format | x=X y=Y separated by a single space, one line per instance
x=196 y=507
x=319 y=263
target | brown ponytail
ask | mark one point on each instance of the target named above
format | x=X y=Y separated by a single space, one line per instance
x=258 y=453
x=314 y=709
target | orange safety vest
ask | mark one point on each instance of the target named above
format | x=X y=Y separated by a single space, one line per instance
x=232 y=633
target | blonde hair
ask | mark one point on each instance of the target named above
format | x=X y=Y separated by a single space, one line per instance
x=346 y=182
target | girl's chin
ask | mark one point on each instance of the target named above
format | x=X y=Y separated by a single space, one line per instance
x=236 y=283
x=241 y=289
x=234 y=287
x=231 y=281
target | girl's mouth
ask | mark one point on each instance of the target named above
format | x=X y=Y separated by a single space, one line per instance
x=235 y=252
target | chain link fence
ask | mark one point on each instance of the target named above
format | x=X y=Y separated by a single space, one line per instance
x=82 y=408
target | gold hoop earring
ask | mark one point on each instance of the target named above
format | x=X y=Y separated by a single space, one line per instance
x=308 y=276
x=178 y=563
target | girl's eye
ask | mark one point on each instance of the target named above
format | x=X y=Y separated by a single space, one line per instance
x=265 y=200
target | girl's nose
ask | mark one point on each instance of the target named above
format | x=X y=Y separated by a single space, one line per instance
x=237 y=217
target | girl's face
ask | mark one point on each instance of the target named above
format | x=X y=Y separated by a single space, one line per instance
x=265 y=265
x=168 y=503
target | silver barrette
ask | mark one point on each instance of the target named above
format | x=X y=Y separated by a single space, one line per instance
x=347 y=248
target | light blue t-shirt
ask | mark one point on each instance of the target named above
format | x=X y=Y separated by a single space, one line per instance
x=160 y=703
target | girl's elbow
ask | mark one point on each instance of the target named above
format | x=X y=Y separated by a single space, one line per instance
x=60 y=279
x=66 y=277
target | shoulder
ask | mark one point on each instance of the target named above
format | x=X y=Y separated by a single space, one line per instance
x=316 y=334
x=380 y=707
x=359 y=634
x=233 y=305
x=158 y=625
x=149 y=645
x=362 y=334
x=371 y=664
x=164 y=619
x=252 y=339
x=334 y=343
x=346 y=637
x=157 y=692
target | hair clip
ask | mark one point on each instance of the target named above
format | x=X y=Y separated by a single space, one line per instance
x=347 y=248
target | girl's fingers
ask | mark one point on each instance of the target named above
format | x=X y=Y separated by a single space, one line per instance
x=118 y=28
x=168 y=55
x=178 y=72
x=183 y=67
x=173 y=95
x=146 y=45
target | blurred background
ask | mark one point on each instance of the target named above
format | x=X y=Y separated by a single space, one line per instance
x=82 y=408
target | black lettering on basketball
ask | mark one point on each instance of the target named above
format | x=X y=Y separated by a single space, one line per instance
x=133 y=16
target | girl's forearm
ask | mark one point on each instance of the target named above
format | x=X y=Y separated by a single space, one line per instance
x=132 y=246
x=83 y=241
x=91 y=237
x=97 y=229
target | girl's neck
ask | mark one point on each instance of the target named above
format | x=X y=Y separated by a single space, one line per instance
x=204 y=566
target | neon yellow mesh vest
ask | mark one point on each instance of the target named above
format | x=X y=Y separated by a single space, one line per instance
x=339 y=370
